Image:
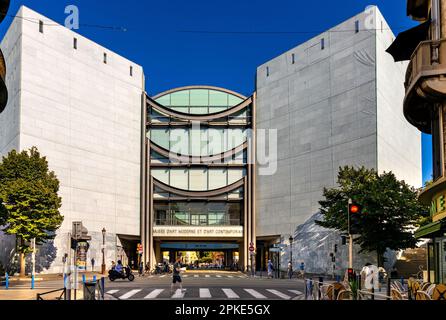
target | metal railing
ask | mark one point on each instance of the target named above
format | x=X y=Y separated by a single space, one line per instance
x=190 y=223
x=63 y=293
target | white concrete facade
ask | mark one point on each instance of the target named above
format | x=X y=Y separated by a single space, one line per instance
x=84 y=115
x=335 y=100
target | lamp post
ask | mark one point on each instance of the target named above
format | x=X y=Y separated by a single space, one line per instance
x=103 y=251
x=291 y=253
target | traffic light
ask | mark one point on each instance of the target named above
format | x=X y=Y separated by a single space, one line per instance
x=351 y=274
x=354 y=212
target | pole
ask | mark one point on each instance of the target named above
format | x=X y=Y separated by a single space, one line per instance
x=70 y=269
x=33 y=256
x=103 y=252
x=350 y=237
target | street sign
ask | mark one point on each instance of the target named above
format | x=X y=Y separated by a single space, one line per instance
x=279 y=245
x=274 y=250
x=251 y=249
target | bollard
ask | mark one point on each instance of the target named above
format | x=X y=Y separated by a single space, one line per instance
x=94 y=278
x=83 y=278
x=373 y=292
x=338 y=278
x=7 y=281
x=103 y=287
x=32 y=282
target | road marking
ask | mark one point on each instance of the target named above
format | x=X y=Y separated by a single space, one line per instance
x=230 y=294
x=207 y=276
x=185 y=276
x=255 y=294
x=230 y=276
x=296 y=292
x=179 y=294
x=279 y=294
x=129 y=294
x=112 y=291
x=196 y=276
x=162 y=276
x=155 y=293
x=205 y=293
x=218 y=276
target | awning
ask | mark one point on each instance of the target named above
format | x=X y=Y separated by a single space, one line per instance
x=430 y=230
x=407 y=41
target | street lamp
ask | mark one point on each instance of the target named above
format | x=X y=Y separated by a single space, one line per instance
x=291 y=250
x=103 y=251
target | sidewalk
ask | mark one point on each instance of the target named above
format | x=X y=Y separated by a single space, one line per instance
x=28 y=294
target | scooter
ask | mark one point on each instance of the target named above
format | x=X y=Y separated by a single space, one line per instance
x=127 y=274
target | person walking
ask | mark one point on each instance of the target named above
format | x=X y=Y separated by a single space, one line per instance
x=141 y=268
x=302 y=269
x=176 y=275
x=92 y=264
x=290 y=270
x=270 y=269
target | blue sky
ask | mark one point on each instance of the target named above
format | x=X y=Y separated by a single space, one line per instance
x=154 y=35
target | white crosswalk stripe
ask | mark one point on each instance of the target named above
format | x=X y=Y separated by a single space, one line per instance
x=296 y=292
x=279 y=294
x=185 y=276
x=207 y=276
x=205 y=293
x=129 y=294
x=196 y=276
x=112 y=291
x=179 y=294
x=230 y=294
x=155 y=293
x=255 y=294
x=162 y=276
x=218 y=276
x=229 y=276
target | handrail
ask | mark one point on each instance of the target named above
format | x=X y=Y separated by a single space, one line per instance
x=64 y=293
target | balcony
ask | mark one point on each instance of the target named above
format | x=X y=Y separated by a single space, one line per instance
x=425 y=82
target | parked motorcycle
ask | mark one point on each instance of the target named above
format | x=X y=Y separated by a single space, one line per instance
x=126 y=274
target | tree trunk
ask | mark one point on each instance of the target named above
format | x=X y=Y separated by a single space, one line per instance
x=380 y=259
x=22 y=264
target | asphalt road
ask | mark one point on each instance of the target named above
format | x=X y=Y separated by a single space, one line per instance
x=203 y=285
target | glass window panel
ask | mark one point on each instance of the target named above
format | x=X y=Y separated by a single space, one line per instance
x=236 y=137
x=195 y=142
x=218 y=99
x=156 y=116
x=233 y=100
x=179 y=141
x=198 y=179
x=204 y=142
x=214 y=109
x=179 y=178
x=180 y=98
x=234 y=175
x=199 y=98
x=160 y=136
x=216 y=141
x=181 y=109
x=164 y=100
x=156 y=157
x=198 y=110
x=217 y=178
x=161 y=175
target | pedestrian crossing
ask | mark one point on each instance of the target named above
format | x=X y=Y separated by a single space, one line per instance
x=204 y=293
x=218 y=276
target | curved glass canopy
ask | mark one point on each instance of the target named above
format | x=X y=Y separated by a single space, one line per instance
x=199 y=100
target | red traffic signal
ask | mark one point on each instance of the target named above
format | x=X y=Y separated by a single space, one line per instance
x=354 y=208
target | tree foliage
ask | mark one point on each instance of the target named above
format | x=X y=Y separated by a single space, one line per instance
x=390 y=210
x=29 y=203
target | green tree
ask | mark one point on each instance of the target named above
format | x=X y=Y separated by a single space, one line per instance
x=390 y=210
x=29 y=203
